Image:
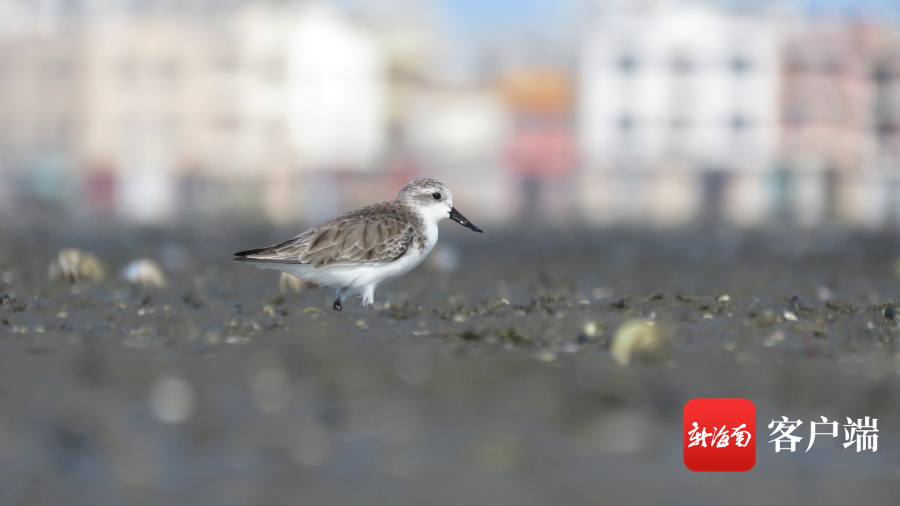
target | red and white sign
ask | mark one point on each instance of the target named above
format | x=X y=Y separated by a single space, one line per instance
x=719 y=435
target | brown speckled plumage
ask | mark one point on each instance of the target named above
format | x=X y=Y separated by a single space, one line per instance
x=376 y=234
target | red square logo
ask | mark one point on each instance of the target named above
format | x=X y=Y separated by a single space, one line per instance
x=719 y=435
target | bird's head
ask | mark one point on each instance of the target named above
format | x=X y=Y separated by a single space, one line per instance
x=434 y=200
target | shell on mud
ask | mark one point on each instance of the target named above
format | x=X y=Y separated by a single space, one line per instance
x=74 y=265
x=641 y=341
x=288 y=283
x=144 y=272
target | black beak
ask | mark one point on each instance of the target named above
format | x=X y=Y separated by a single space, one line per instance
x=459 y=218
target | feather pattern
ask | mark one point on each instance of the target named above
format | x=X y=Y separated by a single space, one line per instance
x=376 y=234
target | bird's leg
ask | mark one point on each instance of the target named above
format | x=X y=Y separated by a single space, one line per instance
x=368 y=296
x=339 y=296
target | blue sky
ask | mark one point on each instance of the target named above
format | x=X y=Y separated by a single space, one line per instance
x=487 y=14
x=848 y=6
x=486 y=17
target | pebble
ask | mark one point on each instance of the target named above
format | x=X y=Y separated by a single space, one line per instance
x=74 y=265
x=789 y=316
x=641 y=341
x=288 y=283
x=890 y=312
x=496 y=303
x=236 y=340
x=591 y=329
x=143 y=272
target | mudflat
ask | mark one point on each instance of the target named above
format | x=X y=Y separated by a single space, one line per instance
x=484 y=376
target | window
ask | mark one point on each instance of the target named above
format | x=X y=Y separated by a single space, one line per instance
x=739 y=123
x=682 y=64
x=882 y=74
x=627 y=63
x=741 y=64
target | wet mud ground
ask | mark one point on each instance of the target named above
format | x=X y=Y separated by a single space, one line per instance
x=485 y=382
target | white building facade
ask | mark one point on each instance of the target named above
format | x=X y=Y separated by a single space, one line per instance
x=679 y=108
x=338 y=94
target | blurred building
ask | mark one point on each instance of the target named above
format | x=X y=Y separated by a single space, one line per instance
x=541 y=148
x=669 y=112
x=840 y=111
x=337 y=82
x=40 y=74
x=678 y=113
x=150 y=109
x=172 y=109
x=884 y=120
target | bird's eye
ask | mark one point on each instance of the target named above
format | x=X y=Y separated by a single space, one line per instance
x=436 y=195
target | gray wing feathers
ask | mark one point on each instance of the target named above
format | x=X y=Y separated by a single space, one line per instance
x=361 y=237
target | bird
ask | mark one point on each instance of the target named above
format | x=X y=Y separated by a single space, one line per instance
x=359 y=250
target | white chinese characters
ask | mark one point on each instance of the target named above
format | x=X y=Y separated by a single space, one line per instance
x=720 y=437
x=863 y=433
x=785 y=428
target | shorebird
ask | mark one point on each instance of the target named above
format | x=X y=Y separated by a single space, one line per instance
x=359 y=250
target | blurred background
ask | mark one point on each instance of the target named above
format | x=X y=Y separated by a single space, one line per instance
x=721 y=176
x=658 y=113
